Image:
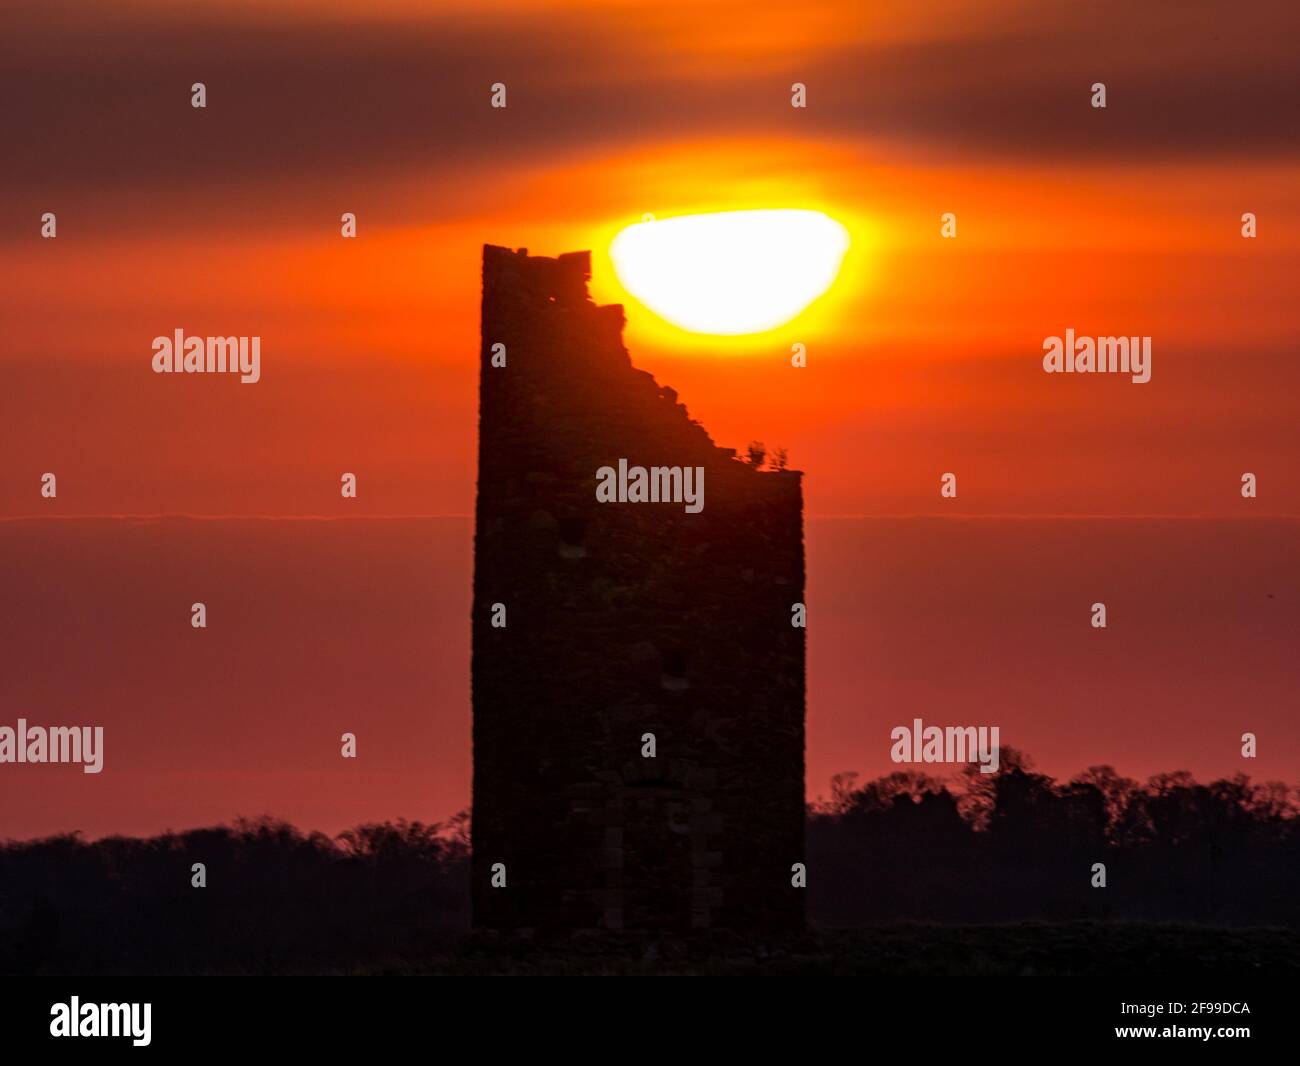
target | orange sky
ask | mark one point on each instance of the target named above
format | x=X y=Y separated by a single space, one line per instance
x=924 y=358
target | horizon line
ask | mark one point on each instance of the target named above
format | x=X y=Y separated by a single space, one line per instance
x=892 y=515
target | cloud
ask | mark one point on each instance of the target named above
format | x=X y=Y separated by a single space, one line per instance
x=99 y=100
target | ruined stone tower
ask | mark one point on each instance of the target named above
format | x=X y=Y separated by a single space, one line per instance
x=621 y=620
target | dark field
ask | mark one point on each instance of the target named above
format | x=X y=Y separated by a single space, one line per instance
x=1081 y=949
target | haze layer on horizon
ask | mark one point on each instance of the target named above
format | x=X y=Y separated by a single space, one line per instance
x=317 y=628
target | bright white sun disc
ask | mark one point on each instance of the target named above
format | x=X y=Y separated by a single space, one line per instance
x=731 y=273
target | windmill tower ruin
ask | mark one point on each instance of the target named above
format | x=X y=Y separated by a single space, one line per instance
x=598 y=625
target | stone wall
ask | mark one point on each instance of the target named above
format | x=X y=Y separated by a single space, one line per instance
x=625 y=619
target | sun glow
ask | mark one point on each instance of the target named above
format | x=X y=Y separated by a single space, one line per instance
x=731 y=273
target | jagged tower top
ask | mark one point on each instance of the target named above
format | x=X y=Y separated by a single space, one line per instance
x=562 y=279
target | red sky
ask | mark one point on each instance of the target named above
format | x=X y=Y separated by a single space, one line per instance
x=319 y=627
x=924 y=358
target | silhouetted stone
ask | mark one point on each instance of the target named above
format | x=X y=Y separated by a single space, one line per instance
x=625 y=619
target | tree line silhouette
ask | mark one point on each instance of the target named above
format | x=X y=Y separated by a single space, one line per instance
x=1017 y=845
x=1004 y=847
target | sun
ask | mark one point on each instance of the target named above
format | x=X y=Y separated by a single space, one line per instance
x=730 y=273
